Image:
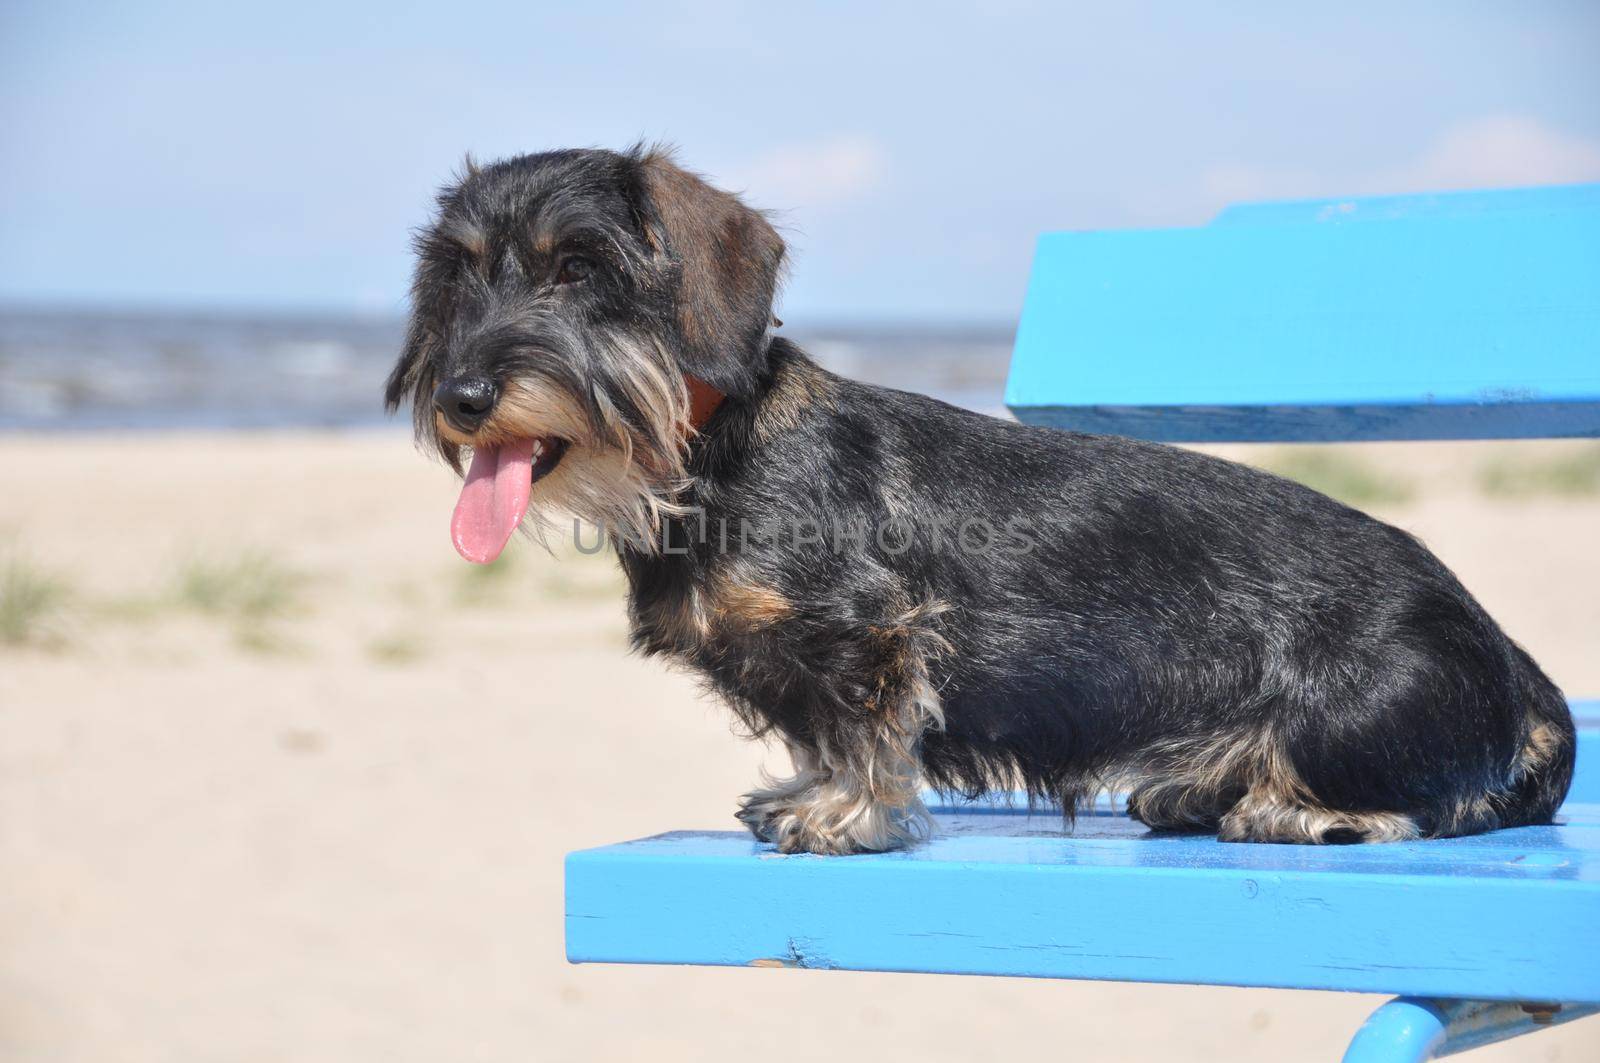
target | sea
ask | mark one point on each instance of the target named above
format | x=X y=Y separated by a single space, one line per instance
x=80 y=370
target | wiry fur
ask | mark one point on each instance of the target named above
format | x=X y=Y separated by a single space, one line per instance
x=1233 y=651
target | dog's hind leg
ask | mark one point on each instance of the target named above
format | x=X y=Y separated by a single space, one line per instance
x=1171 y=805
x=1278 y=806
x=1246 y=788
x=1187 y=785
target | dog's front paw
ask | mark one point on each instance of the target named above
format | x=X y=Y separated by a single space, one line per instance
x=830 y=821
x=769 y=821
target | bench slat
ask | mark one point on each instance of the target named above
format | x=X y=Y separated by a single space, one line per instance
x=1509 y=915
x=1010 y=896
x=1431 y=323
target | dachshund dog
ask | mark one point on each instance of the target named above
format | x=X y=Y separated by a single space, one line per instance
x=908 y=594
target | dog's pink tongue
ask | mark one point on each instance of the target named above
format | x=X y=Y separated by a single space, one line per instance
x=493 y=500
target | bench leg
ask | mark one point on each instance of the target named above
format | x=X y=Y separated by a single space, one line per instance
x=1409 y=1029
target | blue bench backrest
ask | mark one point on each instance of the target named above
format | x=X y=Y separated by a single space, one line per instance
x=1455 y=316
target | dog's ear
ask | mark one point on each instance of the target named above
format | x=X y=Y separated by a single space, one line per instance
x=403 y=377
x=727 y=259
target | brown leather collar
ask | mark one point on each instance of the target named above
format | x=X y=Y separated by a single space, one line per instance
x=703 y=401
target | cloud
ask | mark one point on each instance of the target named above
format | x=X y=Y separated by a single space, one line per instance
x=1501 y=150
x=1491 y=151
x=814 y=174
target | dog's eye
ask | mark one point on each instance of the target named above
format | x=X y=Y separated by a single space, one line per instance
x=574 y=268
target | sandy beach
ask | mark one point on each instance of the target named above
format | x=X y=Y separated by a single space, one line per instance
x=281 y=778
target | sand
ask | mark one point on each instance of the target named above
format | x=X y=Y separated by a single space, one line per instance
x=323 y=817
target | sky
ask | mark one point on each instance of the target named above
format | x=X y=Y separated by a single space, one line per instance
x=277 y=156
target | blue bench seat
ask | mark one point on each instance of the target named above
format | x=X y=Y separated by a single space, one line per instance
x=1002 y=890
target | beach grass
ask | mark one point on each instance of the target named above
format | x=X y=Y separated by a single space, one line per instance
x=395 y=648
x=251 y=586
x=32 y=604
x=486 y=584
x=1574 y=475
x=1340 y=475
x=254 y=592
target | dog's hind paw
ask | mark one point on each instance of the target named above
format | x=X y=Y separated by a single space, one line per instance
x=1267 y=819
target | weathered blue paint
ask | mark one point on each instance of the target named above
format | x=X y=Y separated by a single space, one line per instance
x=1553 y=199
x=1320 y=424
x=1412 y=1029
x=1003 y=891
x=1472 y=321
x=1406 y=1030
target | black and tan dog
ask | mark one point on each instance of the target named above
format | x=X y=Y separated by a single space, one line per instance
x=907 y=593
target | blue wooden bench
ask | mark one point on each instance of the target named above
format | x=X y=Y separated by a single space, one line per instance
x=1466 y=316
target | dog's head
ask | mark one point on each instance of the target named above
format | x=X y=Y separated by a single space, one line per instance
x=563 y=306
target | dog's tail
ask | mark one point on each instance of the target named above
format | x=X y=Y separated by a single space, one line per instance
x=1543 y=771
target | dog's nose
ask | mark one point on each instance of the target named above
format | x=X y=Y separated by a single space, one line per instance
x=465 y=401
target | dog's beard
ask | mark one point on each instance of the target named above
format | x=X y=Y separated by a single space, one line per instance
x=614 y=457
